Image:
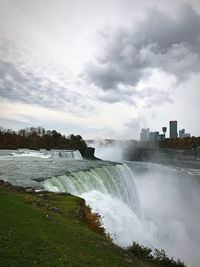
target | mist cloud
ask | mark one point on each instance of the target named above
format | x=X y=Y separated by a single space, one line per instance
x=159 y=41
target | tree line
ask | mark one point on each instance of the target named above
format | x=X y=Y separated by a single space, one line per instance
x=181 y=143
x=39 y=138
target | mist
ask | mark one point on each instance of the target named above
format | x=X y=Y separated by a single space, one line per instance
x=109 y=150
x=169 y=199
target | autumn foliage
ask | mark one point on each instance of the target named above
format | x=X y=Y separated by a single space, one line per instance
x=93 y=220
x=180 y=143
x=39 y=138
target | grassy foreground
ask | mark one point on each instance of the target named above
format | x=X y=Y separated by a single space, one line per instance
x=47 y=229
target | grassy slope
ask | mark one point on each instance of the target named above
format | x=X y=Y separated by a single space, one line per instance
x=29 y=238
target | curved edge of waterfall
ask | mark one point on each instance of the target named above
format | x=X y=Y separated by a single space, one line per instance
x=116 y=181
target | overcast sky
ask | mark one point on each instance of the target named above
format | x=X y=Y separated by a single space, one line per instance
x=100 y=69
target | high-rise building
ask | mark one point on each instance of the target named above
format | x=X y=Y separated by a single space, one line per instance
x=154 y=136
x=144 y=135
x=173 y=129
x=183 y=134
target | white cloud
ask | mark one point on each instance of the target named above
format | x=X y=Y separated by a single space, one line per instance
x=45 y=46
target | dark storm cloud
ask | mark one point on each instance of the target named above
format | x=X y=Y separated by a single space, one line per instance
x=24 y=86
x=159 y=41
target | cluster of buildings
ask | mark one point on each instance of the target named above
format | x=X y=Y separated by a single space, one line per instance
x=146 y=135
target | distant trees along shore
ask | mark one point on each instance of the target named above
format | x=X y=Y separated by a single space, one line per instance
x=39 y=138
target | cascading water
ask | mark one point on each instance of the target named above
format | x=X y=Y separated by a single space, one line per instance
x=114 y=180
x=169 y=197
x=53 y=153
x=69 y=154
x=110 y=191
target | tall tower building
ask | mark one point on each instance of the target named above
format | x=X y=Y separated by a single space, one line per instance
x=144 y=135
x=173 y=129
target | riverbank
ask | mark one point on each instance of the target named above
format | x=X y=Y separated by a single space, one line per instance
x=48 y=229
x=171 y=157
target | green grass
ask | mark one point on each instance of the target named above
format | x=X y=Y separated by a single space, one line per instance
x=32 y=234
x=29 y=238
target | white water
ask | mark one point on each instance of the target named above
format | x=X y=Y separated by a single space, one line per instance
x=115 y=181
x=166 y=216
x=170 y=201
x=69 y=154
x=110 y=191
x=43 y=153
x=122 y=222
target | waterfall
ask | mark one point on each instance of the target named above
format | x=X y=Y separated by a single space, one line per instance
x=167 y=218
x=110 y=191
x=114 y=180
x=69 y=154
x=53 y=153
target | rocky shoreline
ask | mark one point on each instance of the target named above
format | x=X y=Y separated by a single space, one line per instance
x=171 y=157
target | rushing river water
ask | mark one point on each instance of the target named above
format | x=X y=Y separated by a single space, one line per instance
x=155 y=205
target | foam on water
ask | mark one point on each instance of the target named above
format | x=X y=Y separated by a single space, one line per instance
x=119 y=220
x=43 y=153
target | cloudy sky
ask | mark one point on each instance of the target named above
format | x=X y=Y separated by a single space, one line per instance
x=100 y=69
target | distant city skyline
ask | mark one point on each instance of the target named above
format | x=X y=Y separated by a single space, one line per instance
x=173 y=132
x=100 y=70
